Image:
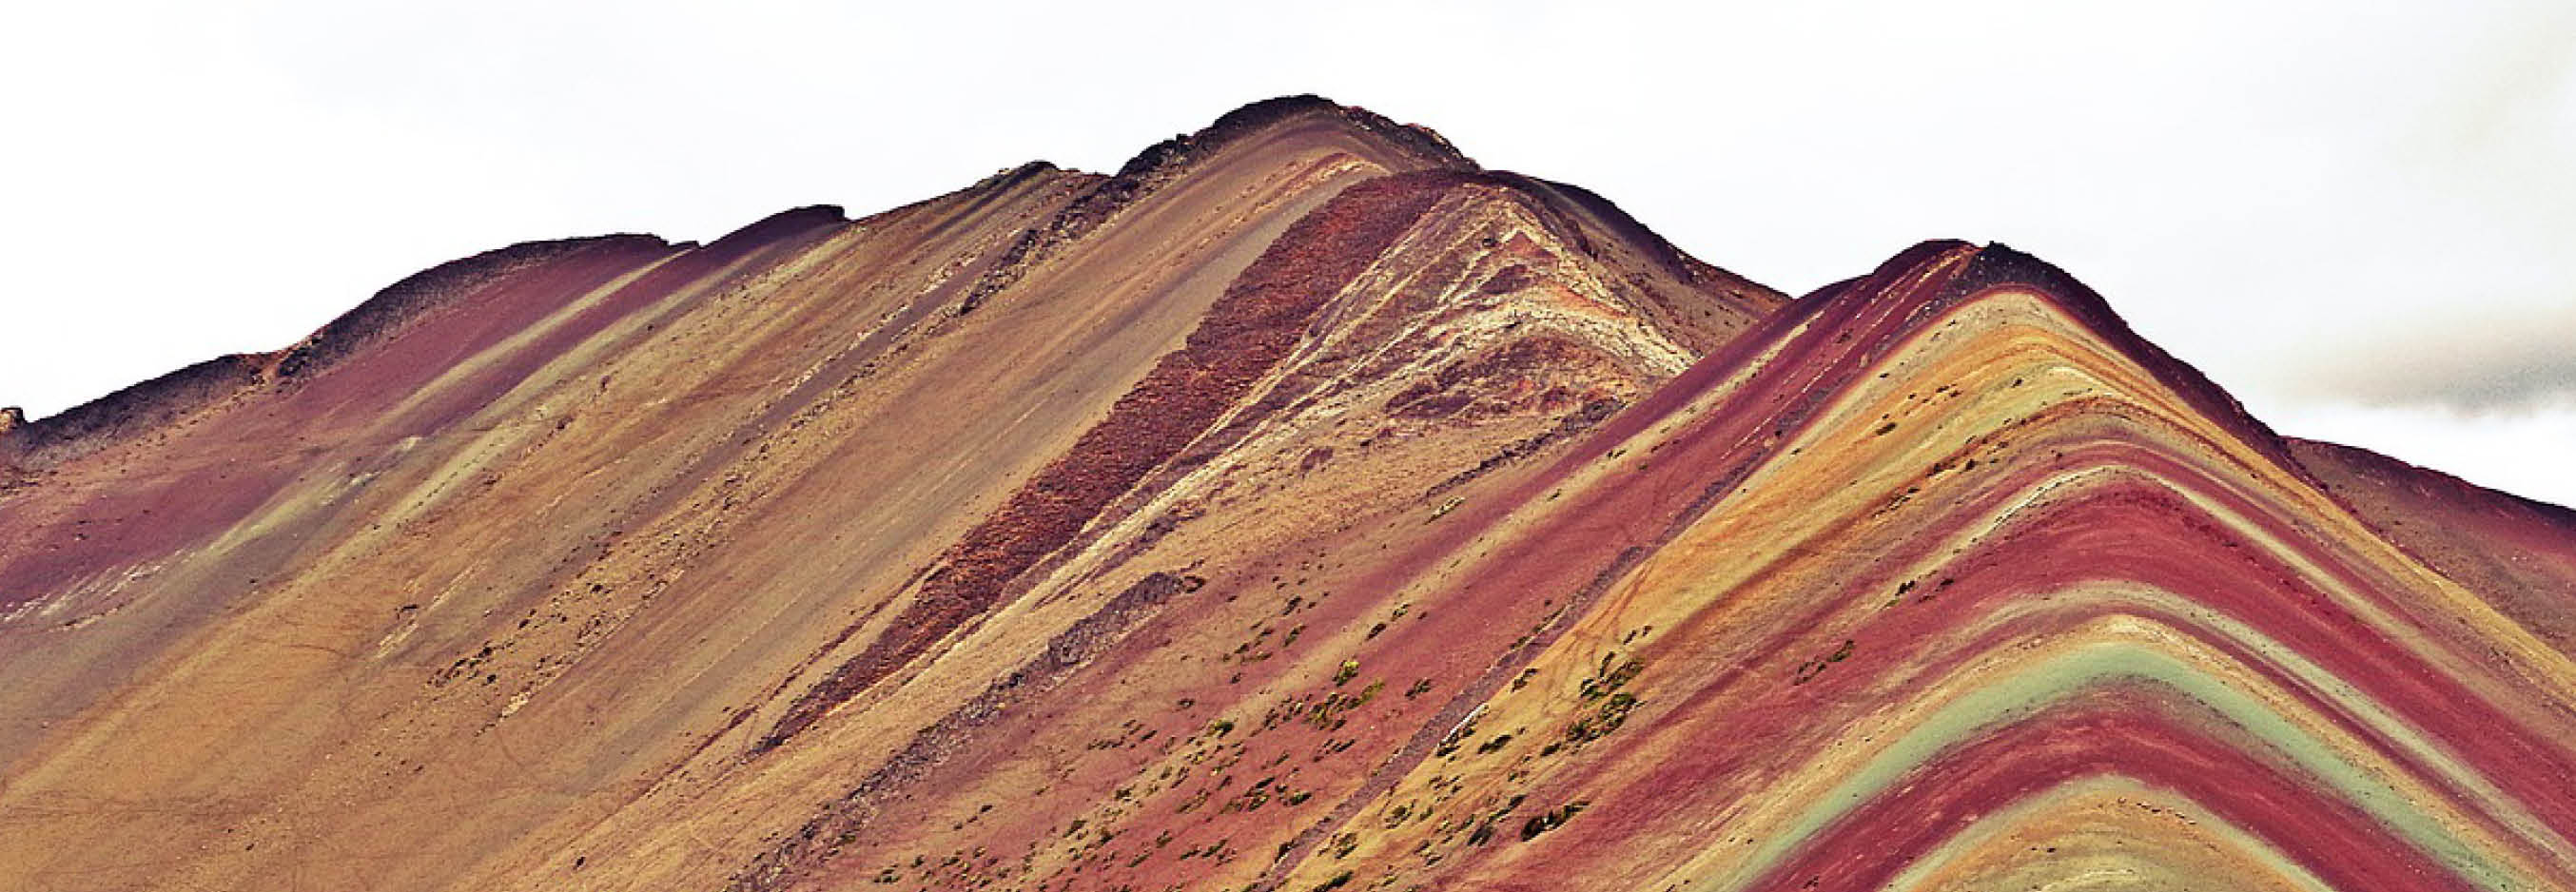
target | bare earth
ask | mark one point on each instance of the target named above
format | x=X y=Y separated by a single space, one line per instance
x=1301 y=507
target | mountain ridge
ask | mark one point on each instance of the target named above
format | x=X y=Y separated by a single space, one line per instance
x=1301 y=506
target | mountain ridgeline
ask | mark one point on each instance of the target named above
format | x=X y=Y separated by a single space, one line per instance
x=1301 y=507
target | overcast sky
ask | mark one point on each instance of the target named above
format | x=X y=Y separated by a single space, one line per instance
x=2360 y=220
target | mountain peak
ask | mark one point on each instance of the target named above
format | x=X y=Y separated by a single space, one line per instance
x=1290 y=111
x=1299 y=507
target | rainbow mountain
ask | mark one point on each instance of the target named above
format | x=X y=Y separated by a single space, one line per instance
x=1301 y=507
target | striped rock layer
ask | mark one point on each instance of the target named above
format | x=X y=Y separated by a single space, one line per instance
x=1301 y=507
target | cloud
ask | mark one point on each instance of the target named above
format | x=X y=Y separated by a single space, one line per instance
x=2499 y=363
x=2493 y=450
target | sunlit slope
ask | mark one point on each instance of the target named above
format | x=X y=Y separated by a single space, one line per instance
x=620 y=564
x=1299 y=507
x=1947 y=581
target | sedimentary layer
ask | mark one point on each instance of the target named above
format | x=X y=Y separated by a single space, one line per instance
x=1300 y=507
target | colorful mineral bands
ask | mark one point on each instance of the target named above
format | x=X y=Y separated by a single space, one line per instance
x=1301 y=507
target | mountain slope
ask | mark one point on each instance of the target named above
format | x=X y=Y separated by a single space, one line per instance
x=1299 y=507
x=1949 y=582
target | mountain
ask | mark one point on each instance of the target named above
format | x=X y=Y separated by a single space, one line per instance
x=1300 y=507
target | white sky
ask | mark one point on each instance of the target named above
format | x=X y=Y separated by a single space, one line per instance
x=2357 y=220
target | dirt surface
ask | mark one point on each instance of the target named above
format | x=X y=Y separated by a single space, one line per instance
x=1299 y=507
